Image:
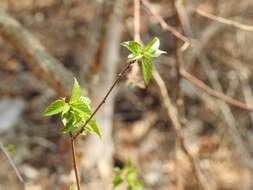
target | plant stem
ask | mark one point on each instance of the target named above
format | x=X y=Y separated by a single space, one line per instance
x=72 y=140
x=119 y=77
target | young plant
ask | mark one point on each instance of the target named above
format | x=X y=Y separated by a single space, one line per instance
x=77 y=117
x=145 y=55
x=74 y=113
x=127 y=175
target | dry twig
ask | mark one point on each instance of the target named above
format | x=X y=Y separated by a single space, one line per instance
x=222 y=20
x=205 y=88
x=173 y=115
x=172 y=111
x=163 y=24
x=12 y=164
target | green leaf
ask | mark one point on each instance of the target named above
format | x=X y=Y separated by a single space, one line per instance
x=11 y=149
x=93 y=128
x=66 y=108
x=54 y=108
x=86 y=100
x=76 y=92
x=81 y=107
x=68 y=121
x=132 y=46
x=117 y=180
x=147 y=68
x=132 y=57
x=152 y=44
x=153 y=53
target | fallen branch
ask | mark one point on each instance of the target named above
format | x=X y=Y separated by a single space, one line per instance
x=39 y=61
x=120 y=76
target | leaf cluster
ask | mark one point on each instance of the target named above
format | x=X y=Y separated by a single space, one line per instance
x=74 y=113
x=145 y=55
x=129 y=175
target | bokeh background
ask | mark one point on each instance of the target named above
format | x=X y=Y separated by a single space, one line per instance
x=81 y=38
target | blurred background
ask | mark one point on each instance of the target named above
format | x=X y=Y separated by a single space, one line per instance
x=45 y=43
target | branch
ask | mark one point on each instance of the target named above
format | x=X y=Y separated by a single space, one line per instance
x=173 y=115
x=11 y=162
x=201 y=85
x=163 y=23
x=119 y=77
x=72 y=141
x=40 y=62
x=222 y=20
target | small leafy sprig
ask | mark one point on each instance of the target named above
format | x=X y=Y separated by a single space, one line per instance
x=129 y=175
x=145 y=55
x=74 y=113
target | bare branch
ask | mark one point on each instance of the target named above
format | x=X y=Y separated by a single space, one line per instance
x=173 y=115
x=222 y=20
x=9 y=159
x=201 y=85
x=163 y=23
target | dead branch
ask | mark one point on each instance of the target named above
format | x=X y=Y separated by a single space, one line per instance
x=222 y=20
x=201 y=85
x=41 y=63
x=232 y=125
x=173 y=115
x=163 y=24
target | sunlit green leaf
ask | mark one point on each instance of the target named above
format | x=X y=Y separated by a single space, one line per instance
x=132 y=57
x=86 y=100
x=132 y=46
x=66 y=108
x=76 y=92
x=68 y=121
x=93 y=128
x=154 y=53
x=81 y=107
x=147 y=68
x=54 y=108
x=152 y=44
x=129 y=175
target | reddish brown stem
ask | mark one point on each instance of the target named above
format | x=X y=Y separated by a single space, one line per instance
x=72 y=141
x=119 y=77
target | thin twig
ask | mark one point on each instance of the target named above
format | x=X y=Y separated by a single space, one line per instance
x=137 y=20
x=179 y=145
x=179 y=93
x=7 y=156
x=163 y=23
x=201 y=85
x=119 y=77
x=72 y=141
x=222 y=20
x=173 y=115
